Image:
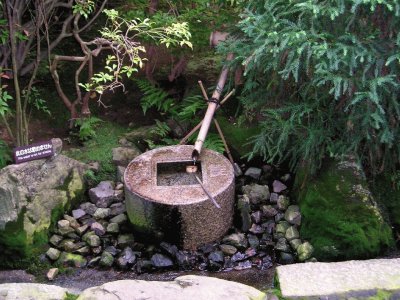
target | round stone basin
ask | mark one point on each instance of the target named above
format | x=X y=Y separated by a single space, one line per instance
x=165 y=201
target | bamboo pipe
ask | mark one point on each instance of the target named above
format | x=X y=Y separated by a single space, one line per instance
x=210 y=111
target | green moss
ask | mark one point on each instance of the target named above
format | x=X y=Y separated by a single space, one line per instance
x=337 y=222
x=71 y=297
x=381 y=295
x=100 y=149
x=238 y=136
x=388 y=195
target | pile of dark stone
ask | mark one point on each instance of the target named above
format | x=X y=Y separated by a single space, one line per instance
x=98 y=233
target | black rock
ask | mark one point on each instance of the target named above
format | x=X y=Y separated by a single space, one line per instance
x=117 y=209
x=238 y=256
x=143 y=265
x=112 y=250
x=256 y=229
x=266 y=263
x=88 y=207
x=126 y=258
x=170 y=249
x=216 y=256
x=256 y=216
x=243 y=265
x=207 y=248
x=161 y=261
x=286 y=258
x=253 y=241
x=185 y=260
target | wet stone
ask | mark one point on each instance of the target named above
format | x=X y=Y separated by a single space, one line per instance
x=286 y=258
x=238 y=256
x=216 y=256
x=256 y=193
x=78 y=213
x=266 y=263
x=228 y=249
x=282 y=245
x=94 y=241
x=117 y=209
x=292 y=215
x=81 y=230
x=72 y=221
x=274 y=198
x=121 y=218
x=87 y=220
x=52 y=273
x=126 y=258
x=161 y=261
x=269 y=211
x=243 y=265
x=279 y=217
x=295 y=243
x=281 y=227
x=102 y=213
x=73 y=236
x=278 y=186
x=112 y=250
x=250 y=252
x=85 y=250
x=94 y=262
x=269 y=227
x=207 y=248
x=292 y=233
x=113 y=228
x=253 y=241
x=283 y=203
x=237 y=240
x=185 y=260
x=88 y=208
x=143 y=265
x=55 y=239
x=305 y=251
x=170 y=249
x=106 y=259
x=244 y=209
x=125 y=240
x=103 y=194
x=98 y=229
x=256 y=229
x=68 y=245
x=253 y=172
x=97 y=250
x=53 y=253
x=256 y=217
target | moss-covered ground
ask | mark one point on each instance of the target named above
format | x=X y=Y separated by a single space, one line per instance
x=337 y=223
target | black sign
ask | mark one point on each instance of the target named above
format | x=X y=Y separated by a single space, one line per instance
x=32 y=152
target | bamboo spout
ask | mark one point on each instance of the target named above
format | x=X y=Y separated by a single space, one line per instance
x=212 y=106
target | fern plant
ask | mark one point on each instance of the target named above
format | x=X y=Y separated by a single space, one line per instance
x=184 y=111
x=323 y=78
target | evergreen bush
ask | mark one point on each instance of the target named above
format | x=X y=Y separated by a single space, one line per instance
x=323 y=76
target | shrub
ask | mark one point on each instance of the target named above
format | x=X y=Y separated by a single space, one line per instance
x=324 y=75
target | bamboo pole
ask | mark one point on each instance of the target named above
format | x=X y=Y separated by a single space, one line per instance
x=212 y=106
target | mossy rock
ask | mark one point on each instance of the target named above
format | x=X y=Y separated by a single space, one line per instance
x=41 y=193
x=388 y=195
x=340 y=217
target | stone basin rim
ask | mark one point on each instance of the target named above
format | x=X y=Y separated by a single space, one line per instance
x=177 y=194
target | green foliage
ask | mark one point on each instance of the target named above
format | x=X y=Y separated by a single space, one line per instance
x=87 y=127
x=99 y=149
x=4 y=98
x=36 y=101
x=123 y=35
x=324 y=75
x=184 y=111
x=83 y=7
x=5 y=154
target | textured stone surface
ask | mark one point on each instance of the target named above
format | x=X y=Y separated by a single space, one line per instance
x=30 y=194
x=182 y=288
x=309 y=280
x=29 y=291
x=122 y=156
x=159 y=208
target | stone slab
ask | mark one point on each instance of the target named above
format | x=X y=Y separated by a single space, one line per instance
x=182 y=288
x=29 y=291
x=353 y=278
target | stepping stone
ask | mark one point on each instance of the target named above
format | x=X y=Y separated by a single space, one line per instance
x=339 y=280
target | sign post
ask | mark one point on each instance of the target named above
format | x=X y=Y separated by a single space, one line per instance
x=33 y=152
